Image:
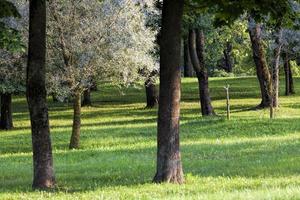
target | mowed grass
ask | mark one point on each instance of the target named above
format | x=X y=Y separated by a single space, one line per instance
x=248 y=157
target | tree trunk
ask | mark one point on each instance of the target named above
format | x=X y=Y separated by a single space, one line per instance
x=262 y=70
x=87 y=98
x=6 y=122
x=289 y=83
x=228 y=57
x=188 y=66
x=169 y=167
x=196 y=45
x=43 y=172
x=151 y=94
x=275 y=68
x=75 y=137
x=54 y=98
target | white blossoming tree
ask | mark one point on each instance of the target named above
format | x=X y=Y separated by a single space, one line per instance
x=89 y=39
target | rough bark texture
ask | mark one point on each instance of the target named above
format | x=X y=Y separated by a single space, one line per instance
x=6 y=122
x=169 y=167
x=87 y=98
x=75 y=137
x=275 y=68
x=43 y=173
x=262 y=70
x=188 y=66
x=289 y=82
x=196 y=46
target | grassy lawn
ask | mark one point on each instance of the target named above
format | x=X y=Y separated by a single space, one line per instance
x=248 y=157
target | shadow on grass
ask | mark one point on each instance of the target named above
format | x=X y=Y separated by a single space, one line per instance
x=91 y=169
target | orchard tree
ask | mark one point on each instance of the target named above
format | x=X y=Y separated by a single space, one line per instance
x=43 y=172
x=12 y=59
x=169 y=167
x=89 y=40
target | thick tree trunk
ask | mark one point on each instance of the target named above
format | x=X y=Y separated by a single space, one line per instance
x=289 y=83
x=169 y=167
x=188 y=66
x=275 y=68
x=6 y=122
x=196 y=45
x=151 y=94
x=262 y=70
x=75 y=137
x=86 y=98
x=43 y=173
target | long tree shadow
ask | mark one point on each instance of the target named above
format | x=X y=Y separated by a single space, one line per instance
x=91 y=169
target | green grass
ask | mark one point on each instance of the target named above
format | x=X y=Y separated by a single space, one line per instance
x=248 y=157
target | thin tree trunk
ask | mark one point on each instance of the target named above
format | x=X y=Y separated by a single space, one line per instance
x=6 y=122
x=188 y=66
x=262 y=70
x=169 y=167
x=228 y=57
x=196 y=45
x=289 y=83
x=75 y=137
x=43 y=172
x=275 y=68
x=87 y=98
x=292 y=88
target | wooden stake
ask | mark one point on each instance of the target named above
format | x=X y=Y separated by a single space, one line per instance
x=227 y=101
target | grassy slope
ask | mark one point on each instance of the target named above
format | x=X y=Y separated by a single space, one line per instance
x=249 y=157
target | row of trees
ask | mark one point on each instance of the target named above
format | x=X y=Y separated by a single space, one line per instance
x=111 y=41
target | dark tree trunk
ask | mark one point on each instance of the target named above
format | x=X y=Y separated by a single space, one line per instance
x=262 y=70
x=54 y=98
x=196 y=45
x=151 y=94
x=86 y=98
x=188 y=66
x=275 y=68
x=43 y=172
x=6 y=122
x=228 y=57
x=289 y=83
x=75 y=137
x=169 y=167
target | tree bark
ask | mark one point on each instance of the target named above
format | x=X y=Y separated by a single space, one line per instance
x=196 y=45
x=169 y=167
x=188 y=66
x=75 y=137
x=262 y=70
x=228 y=57
x=6 y=122
x=289 y=82
x=86 y=98
x=275 y=68
x=151 y=94
x=43 y=172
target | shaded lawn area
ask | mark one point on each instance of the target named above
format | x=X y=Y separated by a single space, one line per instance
x=248 y=157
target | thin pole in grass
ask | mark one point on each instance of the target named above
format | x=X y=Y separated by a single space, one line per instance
x=227 y=101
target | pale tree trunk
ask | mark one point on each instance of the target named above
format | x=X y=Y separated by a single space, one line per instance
x=262 y=70
x=196 y=44
x=275 y=68
x=6 y=122
x=75 y=137
x=43 y=172
x=169 y=167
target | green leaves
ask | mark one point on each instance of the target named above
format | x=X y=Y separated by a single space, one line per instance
x=8 y=9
